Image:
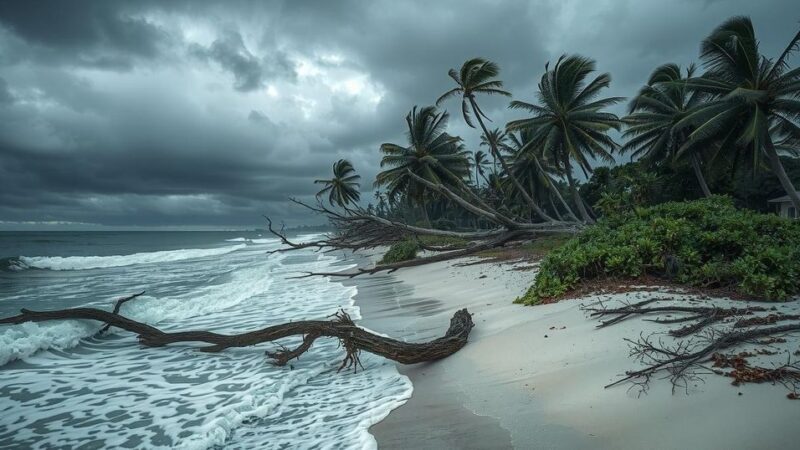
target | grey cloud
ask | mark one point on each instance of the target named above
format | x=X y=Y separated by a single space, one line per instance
x=250 y=72
x=5 y=93
x=107 y=34
x=152 y=145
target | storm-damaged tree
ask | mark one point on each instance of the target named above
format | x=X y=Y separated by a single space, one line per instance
x=478 y=76
x=568 y=122
x=496 y=138
x=754 y=102
x=533 y=166
x=652 y=131
x=342 y=189
x=431 y=154
x=480 y=162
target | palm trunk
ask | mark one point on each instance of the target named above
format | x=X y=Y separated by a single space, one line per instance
x=554 y=189
x=499 y=157
x=425 y=216
x=699 y=174
x=555 y=209
x=576 y=197
x=780 y=172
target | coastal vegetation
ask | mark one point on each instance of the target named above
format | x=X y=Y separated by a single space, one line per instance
x=709 y=145
x=706 y=243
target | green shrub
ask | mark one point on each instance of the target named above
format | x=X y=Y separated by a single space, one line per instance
x=400 y=251
x=407 y=249
x=704 y=243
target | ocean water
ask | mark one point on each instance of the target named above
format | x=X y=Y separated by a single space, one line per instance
x=63 y=387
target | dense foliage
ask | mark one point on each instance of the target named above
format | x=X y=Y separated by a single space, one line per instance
x=400 y=251
x=705 y=243
x=407 y=249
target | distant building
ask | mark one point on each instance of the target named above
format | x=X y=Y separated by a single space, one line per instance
x=784 y=207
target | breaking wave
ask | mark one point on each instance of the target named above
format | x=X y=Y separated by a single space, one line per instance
x=97 y=262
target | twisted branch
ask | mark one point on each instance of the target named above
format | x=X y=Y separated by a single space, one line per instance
x=353 y=338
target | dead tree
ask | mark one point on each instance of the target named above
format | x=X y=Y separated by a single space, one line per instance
x=353 y=339
x=356 y=229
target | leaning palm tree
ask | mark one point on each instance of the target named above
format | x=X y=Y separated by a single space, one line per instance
x=342 y=189
x=569 y=123
x=523 y=149
x=431 y=154
x=478 y=76
x=754 y=103
x=496 y=138
x=654 y=114
x=480 y=161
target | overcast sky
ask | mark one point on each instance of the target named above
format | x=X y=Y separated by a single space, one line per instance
x=214 y=113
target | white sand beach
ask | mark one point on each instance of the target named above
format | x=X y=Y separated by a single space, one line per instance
x=534 y=377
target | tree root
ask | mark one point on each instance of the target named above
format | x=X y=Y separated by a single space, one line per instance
x=683 y=360
x=679 y=359
x=702 y=316
x=351 y=337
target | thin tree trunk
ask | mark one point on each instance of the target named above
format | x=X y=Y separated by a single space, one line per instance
x=780 y=172
x=499 y=157
x=554 y=189
x=555 y=209
x=425 y=216
x=699 y=174
x=576 y=197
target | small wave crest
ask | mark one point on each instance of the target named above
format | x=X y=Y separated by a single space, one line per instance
x=252 y=241
x=12 y=264
x=97 y=262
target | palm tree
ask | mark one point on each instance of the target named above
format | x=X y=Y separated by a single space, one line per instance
x=477 y=76
x=654 y=114
x=569 y=123
x=496 y=138
x=381 y=202
x=342 y=189
x=480 y=161
x=524 y=149
x=431 y=154
x=754 y=103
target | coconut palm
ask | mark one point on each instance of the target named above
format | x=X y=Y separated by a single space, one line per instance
x=342 y=189
x=480 y=161
x=569 y=123
x=431 y=154
x=754 y=103
x=496 y=138
x=652 y=132
x=523 y=149
x=478 y=76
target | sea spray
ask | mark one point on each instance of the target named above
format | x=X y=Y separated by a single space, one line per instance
x=110 y=392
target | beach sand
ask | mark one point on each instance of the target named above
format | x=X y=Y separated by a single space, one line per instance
x=533 y=377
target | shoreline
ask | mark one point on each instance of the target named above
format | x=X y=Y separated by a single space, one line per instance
x=533 y=376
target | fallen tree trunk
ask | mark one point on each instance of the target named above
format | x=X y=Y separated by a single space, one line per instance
x=353 y=338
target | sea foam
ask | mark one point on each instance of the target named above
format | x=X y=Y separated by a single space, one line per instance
x=111 y=393
x=96 y=262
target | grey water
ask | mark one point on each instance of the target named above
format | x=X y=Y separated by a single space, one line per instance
x=63 y=386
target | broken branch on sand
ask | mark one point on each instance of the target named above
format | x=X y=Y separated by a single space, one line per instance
x=353 y=338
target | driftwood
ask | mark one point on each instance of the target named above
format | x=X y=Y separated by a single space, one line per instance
x=698 y=347
x=359 y=229
x=352 y=338
x=701 y=316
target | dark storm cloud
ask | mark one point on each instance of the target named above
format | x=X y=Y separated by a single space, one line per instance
x=249 y=71
x=212 y=113
x=106 y=34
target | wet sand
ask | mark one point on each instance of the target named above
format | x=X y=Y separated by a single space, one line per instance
x=533 y=377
